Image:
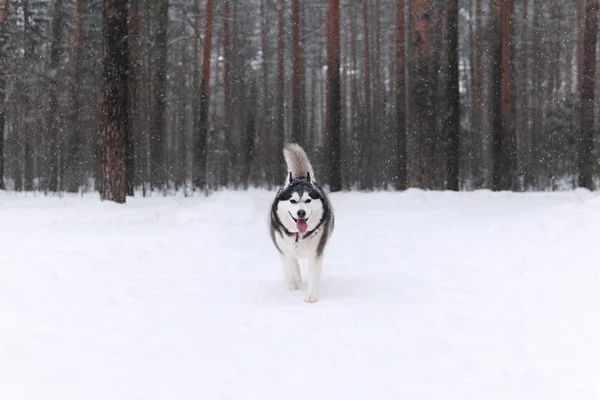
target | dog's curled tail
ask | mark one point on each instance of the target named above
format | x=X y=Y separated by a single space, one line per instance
x=297 y=162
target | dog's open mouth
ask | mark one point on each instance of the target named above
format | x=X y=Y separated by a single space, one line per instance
x=301 y=223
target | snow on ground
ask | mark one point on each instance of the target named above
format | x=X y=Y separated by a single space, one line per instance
x=425 y=295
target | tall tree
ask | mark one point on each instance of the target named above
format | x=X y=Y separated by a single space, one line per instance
x=478 y=88
x=366 y=133
x=53 y=155
x=453 y=98
x=115 y=118
x=524 y=110
x=72 y=157
x=135 y=83
x=334 y=98
x=400 y=98
x=580 y=40
x=378 y=98
x=503 y=142
x=268 y=152
x=280 y=113
x=420 y=92
x=4 y=9
x=586 y=142
x=229 y=107
x=158 y=141
x=298 y=95
x=202 y=134
x=28 y=140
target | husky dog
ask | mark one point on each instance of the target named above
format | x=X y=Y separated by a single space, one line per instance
x=301 y=221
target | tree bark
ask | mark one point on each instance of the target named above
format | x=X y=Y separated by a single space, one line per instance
x=503 y=147
x=268 y=153
x=280 y=117
x=134 y=76
x=334 y=106
x=400 y=99
x=298 y=95
x=29 y=140
x=53 y=155
x=115 y=118
x=479 y=115
x=229 y=106
x=524 y=113
x=378 y=98
x=4 y=9
x=420 y=91
x=580 y=41
x=453 y=98
x=250 y=133
x=202 y=134
x=72 y=154
x=366 y=140
x=158 y=148
x=586 y=143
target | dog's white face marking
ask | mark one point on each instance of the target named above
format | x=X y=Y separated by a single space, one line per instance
x=300 y=206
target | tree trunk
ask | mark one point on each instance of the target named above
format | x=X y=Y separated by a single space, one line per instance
x=453 y=98
x=334 y=98
x=250 y=133
x=227 y=60
x=158 y=169
x=202 y=134
x=509 y=140
x=298 y=95
x=280 y=118
x=580 y=40
x=135 y=79
x=524 y=112
x=378 y=97
x=366 y=140
x=479 y=115
x=74 y=148
x=229 y=106
x=504 y=151
x=400 y=99
x=53 y=155
x=4 y=9
x=355 y=103
x=268 y=153
x=115 y=118
x=420 y=90
x=586 y=143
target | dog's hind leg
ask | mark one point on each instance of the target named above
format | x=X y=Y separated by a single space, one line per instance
x=314 y=275
x=291 y=270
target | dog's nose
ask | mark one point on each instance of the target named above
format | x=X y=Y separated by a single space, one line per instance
x=301 y=213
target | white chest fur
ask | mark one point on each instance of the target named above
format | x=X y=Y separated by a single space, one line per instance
x=303 y=248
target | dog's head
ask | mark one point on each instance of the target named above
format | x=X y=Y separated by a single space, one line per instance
x=299 y=205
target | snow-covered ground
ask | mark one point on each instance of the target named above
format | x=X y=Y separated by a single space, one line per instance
x=425 y=295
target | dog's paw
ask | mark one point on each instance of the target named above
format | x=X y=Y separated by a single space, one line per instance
x=311 y=299
x=293 y=286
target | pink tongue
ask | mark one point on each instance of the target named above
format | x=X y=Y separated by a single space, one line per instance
x=301 y=225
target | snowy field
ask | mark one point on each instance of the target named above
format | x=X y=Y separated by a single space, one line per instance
x=424 y=296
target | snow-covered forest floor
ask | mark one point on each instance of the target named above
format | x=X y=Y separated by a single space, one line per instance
x=425 y=295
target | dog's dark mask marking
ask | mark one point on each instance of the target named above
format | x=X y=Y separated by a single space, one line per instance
x=300 y=185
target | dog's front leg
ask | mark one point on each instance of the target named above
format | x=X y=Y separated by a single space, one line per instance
x=291 y=270
x=315 y=267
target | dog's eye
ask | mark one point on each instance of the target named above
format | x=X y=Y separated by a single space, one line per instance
x=293 y=201
x=308 y=201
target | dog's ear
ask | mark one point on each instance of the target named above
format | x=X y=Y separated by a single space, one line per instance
x=308 y=176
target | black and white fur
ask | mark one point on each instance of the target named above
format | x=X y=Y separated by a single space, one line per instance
x=301 y=198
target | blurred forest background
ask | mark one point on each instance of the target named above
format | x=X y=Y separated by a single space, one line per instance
x=166 y=95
